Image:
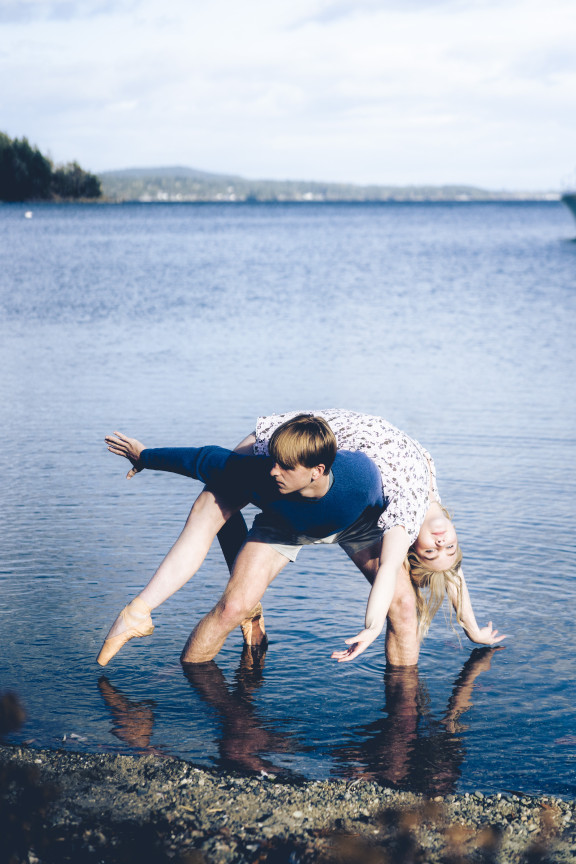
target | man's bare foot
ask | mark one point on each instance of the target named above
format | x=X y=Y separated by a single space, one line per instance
x=253 y=629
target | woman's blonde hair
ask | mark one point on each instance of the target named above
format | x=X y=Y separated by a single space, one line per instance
x=431 y=587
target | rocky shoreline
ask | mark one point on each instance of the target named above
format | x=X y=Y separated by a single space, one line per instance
x=60 y=806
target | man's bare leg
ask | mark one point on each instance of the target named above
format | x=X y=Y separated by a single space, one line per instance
x=256 y=566
x=231 y=538
x=402 y=644
x=235 y=530
x=207 y=516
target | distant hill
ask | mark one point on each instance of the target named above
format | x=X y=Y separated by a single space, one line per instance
x=175 y=184
x=175 y=171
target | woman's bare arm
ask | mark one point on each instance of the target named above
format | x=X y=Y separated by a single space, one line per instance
x=480 y=635
x=246 y=446
x=395 y=545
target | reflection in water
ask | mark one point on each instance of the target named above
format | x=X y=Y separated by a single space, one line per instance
x=242 y=738
x=408 y=748
x=133 y=722
x=243 y=734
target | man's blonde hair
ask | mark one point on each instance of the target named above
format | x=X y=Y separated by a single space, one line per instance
x=303 y=440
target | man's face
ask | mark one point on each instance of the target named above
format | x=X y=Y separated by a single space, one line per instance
x=296 y=479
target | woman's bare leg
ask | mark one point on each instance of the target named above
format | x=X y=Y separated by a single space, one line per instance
x=207 y=516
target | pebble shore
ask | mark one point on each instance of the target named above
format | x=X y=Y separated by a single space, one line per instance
x=60 y=806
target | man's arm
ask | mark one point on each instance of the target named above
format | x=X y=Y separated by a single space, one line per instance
x=130 y=448
x=206 y=518
x=213 y=465
x=395 y=545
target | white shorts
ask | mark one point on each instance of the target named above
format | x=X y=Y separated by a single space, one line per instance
x=362 y=533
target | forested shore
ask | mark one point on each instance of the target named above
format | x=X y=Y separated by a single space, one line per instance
x=27 y=175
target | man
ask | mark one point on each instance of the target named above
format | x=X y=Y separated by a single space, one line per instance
x=308 y=493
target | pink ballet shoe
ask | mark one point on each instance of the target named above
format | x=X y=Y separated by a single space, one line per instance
x=136 y=625
x=253 y=628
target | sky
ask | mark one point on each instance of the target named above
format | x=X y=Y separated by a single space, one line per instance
x=394 y=92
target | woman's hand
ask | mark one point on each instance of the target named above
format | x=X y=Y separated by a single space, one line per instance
x=130 y=448
x=486 y=635
x=357 y=645
x=393 y=551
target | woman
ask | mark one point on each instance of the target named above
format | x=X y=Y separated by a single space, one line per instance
x=413 y=519
x=433 y=555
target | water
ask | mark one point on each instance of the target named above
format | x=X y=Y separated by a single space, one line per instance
x=179 y=325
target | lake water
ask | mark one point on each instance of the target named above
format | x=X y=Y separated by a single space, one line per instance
x=179 y=325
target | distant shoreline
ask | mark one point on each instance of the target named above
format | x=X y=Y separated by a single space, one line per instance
x=179 y=184
x=556 y=199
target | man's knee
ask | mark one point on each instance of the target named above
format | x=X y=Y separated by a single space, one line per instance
x=231 y=610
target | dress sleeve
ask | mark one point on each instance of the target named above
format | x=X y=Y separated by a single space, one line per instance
x=401 y=510
x=409 y=502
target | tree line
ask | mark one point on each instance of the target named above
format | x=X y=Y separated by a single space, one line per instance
x=27 y=175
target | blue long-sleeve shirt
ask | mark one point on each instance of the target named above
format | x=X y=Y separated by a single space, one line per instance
x=357 y=486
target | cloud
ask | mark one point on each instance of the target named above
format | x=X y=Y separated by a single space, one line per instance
x=23 y=11
x=386 y=93
x=327 y=11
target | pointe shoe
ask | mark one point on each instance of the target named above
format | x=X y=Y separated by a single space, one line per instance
x=135 y=626
x=253 y=628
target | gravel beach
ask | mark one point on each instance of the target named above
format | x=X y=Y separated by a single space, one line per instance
x=60 y=806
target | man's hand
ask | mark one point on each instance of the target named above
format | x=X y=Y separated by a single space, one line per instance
x=357 y=645
x=130 y=448
x=486 y=635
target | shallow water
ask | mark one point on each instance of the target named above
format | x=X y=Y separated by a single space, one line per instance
x=179 y=325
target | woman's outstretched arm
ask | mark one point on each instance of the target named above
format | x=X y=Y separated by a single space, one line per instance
x=395 y=545
x=480 y=635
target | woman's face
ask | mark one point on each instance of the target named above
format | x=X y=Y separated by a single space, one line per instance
x=437 y=542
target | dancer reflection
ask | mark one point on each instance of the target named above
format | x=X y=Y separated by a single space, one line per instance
x=243 y=736
x=133 y=721
x=409 y=749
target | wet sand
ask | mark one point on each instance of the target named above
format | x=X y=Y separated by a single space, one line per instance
x=60 y=806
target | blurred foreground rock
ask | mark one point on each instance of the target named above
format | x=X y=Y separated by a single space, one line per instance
x=68 y=807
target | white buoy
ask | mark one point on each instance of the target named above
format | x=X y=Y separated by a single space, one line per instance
x=28 y=214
